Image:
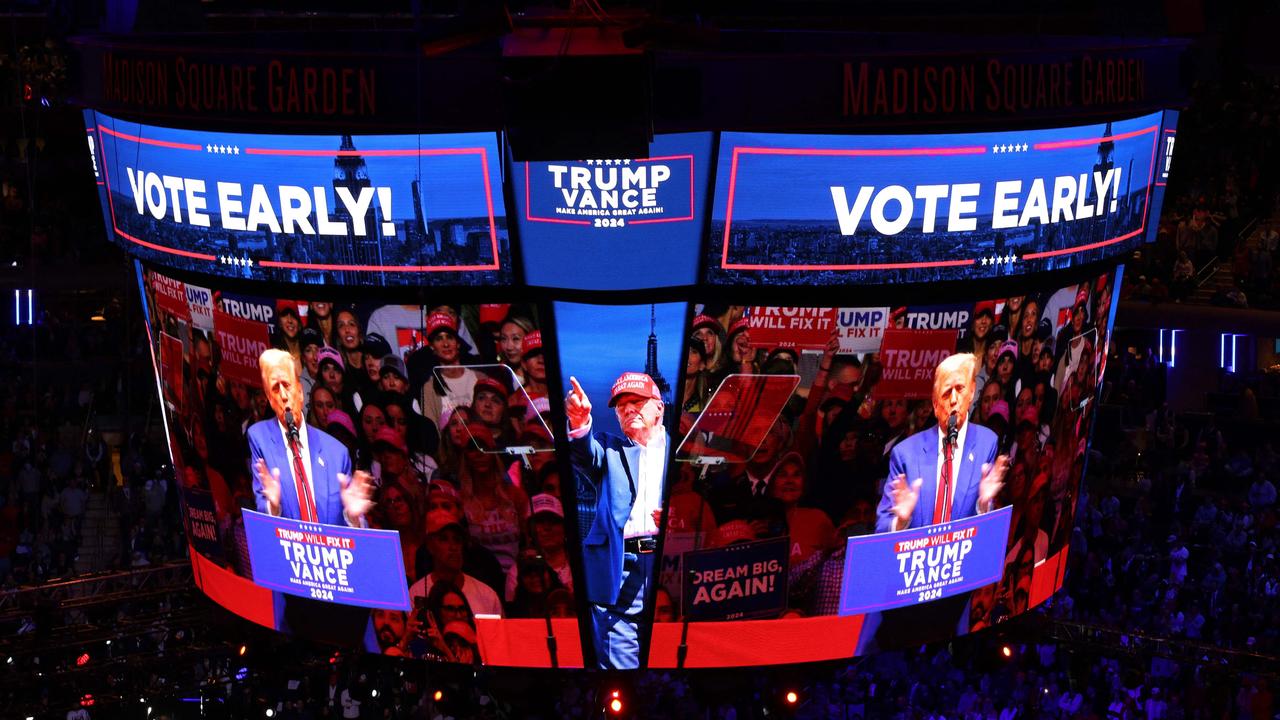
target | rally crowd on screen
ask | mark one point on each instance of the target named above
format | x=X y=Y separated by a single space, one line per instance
x=428 y=400
x=819 y=473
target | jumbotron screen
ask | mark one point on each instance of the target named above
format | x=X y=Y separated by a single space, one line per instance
x=371 y=474
x=794 y=209
x=915 y=479
x=382 y=475
x=353 y=209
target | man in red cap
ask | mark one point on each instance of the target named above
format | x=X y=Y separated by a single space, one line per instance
x=627 y=475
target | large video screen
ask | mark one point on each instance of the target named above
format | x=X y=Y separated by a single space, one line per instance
x=353 y=209
x=615 y=224
x=371 y=474
x=836 y=209
x=915 y=467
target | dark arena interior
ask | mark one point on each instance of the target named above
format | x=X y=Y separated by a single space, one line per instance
x=415 y=359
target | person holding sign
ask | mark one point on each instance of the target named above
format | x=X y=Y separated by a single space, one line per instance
x=946 y=472
x=627 y=472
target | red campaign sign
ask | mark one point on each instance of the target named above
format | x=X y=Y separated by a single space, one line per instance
x=909 y=358
x=802 y=328
x=171 y=367
x=171 y=296
x=240 y=342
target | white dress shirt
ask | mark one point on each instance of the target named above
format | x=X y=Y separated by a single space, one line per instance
x=652 y=461
x=648 y=486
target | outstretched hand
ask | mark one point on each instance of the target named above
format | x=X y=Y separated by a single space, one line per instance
x=904 y=497
x=357 y=494
x=992 y=482
x=269 y=479
x=577 y=406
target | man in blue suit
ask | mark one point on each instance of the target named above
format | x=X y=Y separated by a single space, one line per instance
x=626 y=474
x=300 y=472
x=946 y=472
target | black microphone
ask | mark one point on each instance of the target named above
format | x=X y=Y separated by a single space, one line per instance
x=290 y=427
x=953 y=431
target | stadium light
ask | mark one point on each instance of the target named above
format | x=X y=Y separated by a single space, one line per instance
x=615 y=706
x=438 y=696
x=1006 y=651
x=792 y=697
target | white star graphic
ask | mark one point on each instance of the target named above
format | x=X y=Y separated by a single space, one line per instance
x=626 y=162
x=208 y=148
x=984 y=262
x=237 y=150
x=248 y=261
x=995 y=148
x=1024 y=147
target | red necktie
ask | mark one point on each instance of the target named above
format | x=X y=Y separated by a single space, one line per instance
x=942 y=505
x=306 y=505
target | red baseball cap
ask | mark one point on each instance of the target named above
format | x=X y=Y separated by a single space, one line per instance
x=741 y=325
x=482 y=435
x=544 y=503
x=287 y=306
x=444 y=487
x=536 y=431
x=700 y=321
x=493 y=314
x=634 y=383
x=387 y=436
x=986 y=306
x=492 y=385
x=462 y=630
x=1001 y=408
x=732 y=532
x=342 y=419
x=331 y=355
x=441 y=519
x=531 y=344
x=438 y=321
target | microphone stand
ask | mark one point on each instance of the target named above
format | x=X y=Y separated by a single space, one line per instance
x=682 y=650
x=552 y=650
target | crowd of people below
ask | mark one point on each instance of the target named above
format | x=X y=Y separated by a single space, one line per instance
x=1222 y=203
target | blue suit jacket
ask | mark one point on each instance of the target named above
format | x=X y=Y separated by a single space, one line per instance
x=917 y=458
x=611 y=464
x=328 y=458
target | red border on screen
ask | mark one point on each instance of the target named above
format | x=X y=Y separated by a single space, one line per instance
x=913 y=152
x=528 y=214
x=484 y=166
